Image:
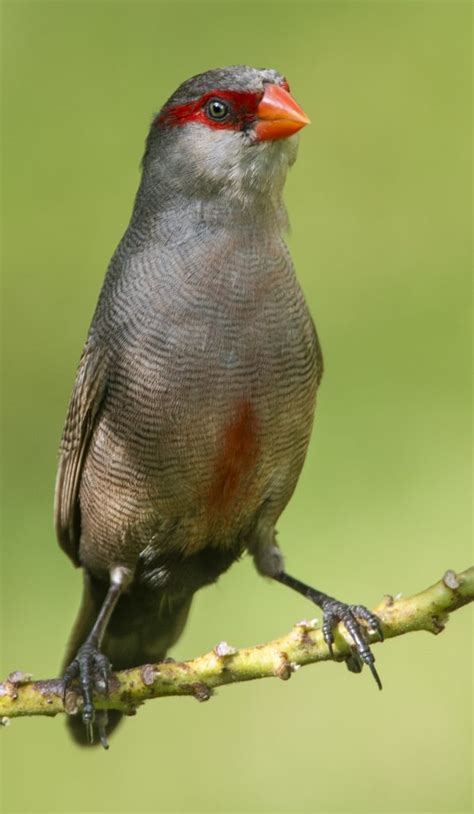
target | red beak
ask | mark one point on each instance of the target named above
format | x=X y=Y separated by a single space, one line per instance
x=278 y=114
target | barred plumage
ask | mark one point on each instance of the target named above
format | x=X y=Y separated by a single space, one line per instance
x=194 y=400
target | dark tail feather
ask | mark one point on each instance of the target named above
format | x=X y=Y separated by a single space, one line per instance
x=141 y=630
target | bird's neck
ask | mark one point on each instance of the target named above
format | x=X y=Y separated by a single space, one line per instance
x=169 y=212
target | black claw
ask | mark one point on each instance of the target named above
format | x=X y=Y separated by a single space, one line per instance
x=327 y=634
x=88 y=666
x=103 y=668
x=71 y=673
x=88 y=713
x=103 y=739
x=375 y=675
x=349 y=615
x=102 y=721
x=90 y=730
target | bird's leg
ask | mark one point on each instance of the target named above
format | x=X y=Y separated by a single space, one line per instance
x=335 y=612
x=90 y=666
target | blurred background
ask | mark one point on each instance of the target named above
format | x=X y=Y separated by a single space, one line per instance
x=379 y=205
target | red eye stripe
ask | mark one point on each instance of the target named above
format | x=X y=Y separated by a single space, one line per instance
x=243 y=109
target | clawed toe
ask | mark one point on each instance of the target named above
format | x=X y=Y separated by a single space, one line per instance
x=91 y=669
x=373 y=621
x=349 y=615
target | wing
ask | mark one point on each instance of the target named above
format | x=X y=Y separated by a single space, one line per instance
x=87 y=397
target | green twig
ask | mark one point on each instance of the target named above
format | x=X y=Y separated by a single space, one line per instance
x=428 y=610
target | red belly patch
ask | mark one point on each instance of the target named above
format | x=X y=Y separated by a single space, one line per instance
x=235 y=460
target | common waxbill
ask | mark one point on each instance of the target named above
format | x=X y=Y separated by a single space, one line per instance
x=193 y=402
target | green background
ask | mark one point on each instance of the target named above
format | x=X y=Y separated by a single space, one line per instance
x=379 y=205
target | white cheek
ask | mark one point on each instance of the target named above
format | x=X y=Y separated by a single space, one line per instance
x=213 y=152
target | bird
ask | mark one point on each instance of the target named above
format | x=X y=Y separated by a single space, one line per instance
x=194 y=398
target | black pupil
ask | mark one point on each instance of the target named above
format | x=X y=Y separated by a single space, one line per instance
x=218 y=109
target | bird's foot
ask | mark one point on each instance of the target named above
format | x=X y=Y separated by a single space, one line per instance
x=92 y=671
x=351 y=617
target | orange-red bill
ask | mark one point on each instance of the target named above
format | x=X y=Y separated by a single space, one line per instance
x=278 y=115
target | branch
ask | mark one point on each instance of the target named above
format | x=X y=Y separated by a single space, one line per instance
x=304 y=644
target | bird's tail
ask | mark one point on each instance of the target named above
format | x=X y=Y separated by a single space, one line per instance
x=142 y=629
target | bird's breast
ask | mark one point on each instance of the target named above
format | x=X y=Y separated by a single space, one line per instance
x=236 y=455
x=209 y=408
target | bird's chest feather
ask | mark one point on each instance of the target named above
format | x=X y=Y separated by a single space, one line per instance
x=225 y=371
x=238 y=448
x=242 y=413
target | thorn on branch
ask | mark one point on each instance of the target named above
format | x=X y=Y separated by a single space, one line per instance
x=224 y=650
x=19 y=677
x=200 y=691
x=451 y=581
x=439 y=623
x=71 y=705
x=283 y=669
x=148 y=674
x=304 y=644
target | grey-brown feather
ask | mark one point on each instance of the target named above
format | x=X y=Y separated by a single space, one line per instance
x=200 y=312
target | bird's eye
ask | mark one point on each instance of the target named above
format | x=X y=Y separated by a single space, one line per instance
x=217 y=110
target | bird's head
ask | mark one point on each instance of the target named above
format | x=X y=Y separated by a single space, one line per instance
x=227 y=133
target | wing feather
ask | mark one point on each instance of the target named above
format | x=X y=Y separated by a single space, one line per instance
x=87 y=397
